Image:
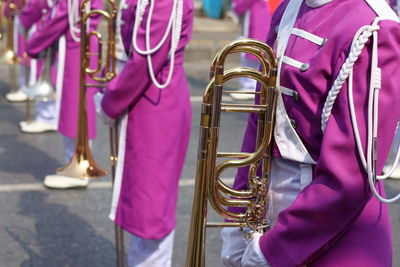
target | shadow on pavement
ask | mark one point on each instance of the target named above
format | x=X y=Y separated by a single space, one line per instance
x=60 y=238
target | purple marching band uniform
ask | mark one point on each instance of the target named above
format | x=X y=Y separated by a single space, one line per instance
x=256 y=20
x=32 y=19
x=321 y=208
x=154 y=133
x=56 y=31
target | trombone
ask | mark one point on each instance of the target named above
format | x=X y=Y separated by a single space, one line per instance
x=209 y=188
x=82 y=164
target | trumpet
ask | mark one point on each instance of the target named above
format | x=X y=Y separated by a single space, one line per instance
x=209 y=188
x=10 y=55
x=82 y=164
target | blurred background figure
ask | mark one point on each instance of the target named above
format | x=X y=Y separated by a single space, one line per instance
x=61 y=28
x=11 y=11
x=150 y=97
x=32 y=18
x=256 y=17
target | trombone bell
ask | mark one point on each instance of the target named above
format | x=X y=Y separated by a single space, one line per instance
x=82 y=167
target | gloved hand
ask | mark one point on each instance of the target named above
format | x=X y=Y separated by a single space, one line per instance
x=98 y=97
x=253 y=256
x=234 y=243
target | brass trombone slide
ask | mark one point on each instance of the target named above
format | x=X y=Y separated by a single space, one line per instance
x=209 y=188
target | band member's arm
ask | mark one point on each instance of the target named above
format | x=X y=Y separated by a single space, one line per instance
x=32 y=12
x=18 y=6
x=54 y=28
x=128 y=87
x=50 y=32
x=339 y=190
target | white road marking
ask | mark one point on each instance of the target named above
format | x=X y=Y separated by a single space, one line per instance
x=94 y=185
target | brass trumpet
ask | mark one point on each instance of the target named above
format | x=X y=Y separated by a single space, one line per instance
x=82 y=164
x=10 y=55
x=209 y=188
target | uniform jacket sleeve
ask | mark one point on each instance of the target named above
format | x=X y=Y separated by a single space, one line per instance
x=339 y=190
x=54 y=28
x=32 y=12
x=50 y=32
x=7 y=11
x=125 y=90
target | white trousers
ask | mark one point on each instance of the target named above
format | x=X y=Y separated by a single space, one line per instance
x=69 y=148
x=149 y=252
x=46 y=111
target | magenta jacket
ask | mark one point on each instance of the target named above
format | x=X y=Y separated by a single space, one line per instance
x=334 y=221
x=155 y=127
x=50 y=34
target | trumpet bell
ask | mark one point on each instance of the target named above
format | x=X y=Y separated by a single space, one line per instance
x=82 y=167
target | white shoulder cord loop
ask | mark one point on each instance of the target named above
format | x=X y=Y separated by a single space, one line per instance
x=175 y=22
x=369 y=163
x=359 y=41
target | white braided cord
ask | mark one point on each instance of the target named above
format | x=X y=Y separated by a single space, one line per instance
x=174 y=28
x=360 y=39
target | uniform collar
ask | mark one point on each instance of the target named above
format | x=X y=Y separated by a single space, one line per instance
x=317 y=3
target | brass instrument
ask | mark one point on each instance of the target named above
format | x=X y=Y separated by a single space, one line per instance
x=10 y=55
x=1 y=19
x=82 y=164
x=44 y=88
x=210 y=164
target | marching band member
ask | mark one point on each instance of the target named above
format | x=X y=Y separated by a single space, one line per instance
x=322 y=208
x=256 y=19
x=61 y=28
x=150 y=97
x=19 y=48
x=31 y=19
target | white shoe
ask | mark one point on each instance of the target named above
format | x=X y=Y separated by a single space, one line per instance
x=16 y=96
x=37 y=127
x=63 y=182
x=243 y=94
x=395 y=174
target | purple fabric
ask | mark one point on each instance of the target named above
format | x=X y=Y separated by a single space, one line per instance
x=19 y=4
x=32 y=13
x=334 y=221
x=158 y=126
x=260 y=18
x=49 y=35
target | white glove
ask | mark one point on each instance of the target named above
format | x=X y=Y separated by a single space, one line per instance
x=253 y=256
x=98 y=97
x=234 y=243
